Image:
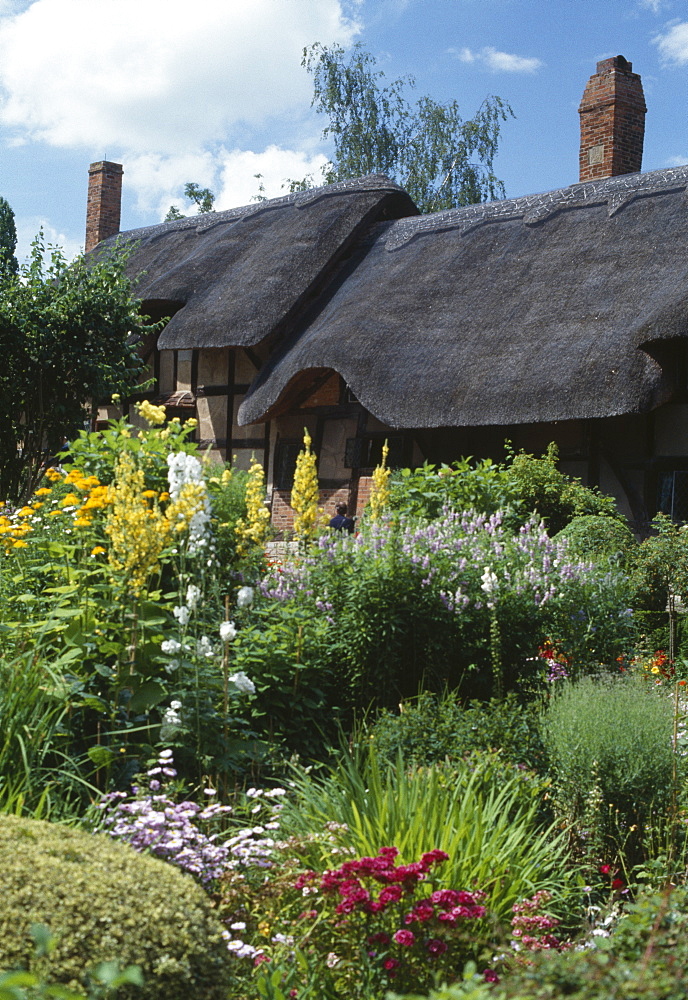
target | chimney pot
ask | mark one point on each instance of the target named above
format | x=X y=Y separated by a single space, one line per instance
x=612 y=117
x=104 y=202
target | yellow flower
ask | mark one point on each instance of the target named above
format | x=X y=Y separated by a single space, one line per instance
x=43 y=492
x=654 y=670
x=19 y=544
x=254 y=530
x=149 y=494
x=155 y=415
x=53 y=475
x=25 y=512
x=98 y=550
x=380 y=492
x=70 y=500
x=82 y=522
x=164 y=496
x=191 y=423
x=305 y=493
x=52 y=513
x=137 y=533
x=37 y=504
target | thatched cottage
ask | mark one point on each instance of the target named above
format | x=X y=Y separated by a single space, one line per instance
x=555 y=317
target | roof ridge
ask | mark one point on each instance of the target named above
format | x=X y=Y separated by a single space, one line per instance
x=617 y=192
x=204 y=221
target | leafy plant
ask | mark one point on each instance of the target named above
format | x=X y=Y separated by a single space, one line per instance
x=610 y=743
x=68 y=336
x=483 y=814
x=430 y=728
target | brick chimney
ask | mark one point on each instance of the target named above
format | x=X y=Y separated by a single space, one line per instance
x=612 y=119
x=104 y=201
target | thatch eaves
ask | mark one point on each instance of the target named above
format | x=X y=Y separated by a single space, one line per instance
x=234 y=278
x=553 y=307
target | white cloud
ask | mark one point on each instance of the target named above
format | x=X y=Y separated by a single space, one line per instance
x=156 y=76
x=238 y=184
x=673 y=45
x=159 y=180
x=677 y=161
x=28 y=228
x=653 y=5
x=498 y=62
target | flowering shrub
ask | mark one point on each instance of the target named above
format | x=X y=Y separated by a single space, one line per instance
x=410 y=603
x=198 y=839
x=385 y=919
x=110 y=571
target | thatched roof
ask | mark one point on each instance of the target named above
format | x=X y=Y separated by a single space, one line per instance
x=234 y=278
x=544 y=308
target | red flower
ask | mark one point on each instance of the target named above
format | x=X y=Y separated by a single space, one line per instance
x=404 y=938
x=617 y=883
x=605 y=869
x=390 y=963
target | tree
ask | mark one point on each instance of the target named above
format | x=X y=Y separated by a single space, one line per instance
x=203 y=198
x=8 y=240
x=68 y=335
x=440 y=159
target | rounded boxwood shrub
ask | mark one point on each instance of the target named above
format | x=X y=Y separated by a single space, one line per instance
x=102 y=901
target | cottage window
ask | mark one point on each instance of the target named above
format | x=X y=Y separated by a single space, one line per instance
x=672 y=496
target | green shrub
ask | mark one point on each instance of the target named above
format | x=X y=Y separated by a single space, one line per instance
x=594 y=537
x=431 y=727
x=464 y=485
x=610 y=743
x=102 y=901
x=555 y=497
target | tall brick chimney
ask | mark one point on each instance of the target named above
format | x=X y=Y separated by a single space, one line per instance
x=612 y=119
x=104 y=201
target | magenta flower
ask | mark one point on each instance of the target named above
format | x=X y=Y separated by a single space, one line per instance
x=404 y=938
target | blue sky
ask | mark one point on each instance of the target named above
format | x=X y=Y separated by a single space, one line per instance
x=214 y=91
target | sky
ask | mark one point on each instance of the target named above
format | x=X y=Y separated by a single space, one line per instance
x=214 y=92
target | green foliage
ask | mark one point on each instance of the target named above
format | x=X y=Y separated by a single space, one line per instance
x=68 y=336
x=203 y=198
x=463 y=485
x=431 y=728
x=522 y=486
x=552 y=495
x=97 y=453
x=103 y=980
x=610 y=743
x=34 y=770
x=8 y=241
x=483 y=813
x=283 y=648
x=597 y=537
x=645 y=958
x=440 y=159
x=661 y=565
x=104 y=902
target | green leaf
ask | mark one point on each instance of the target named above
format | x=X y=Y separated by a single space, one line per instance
x=147 y=696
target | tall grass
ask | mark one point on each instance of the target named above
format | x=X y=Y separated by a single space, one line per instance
x=610 y=743
x=482 y=813
x=36 y=777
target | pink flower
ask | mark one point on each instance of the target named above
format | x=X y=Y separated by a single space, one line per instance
x=404 y=938
x=436 y=947
x=390 y=963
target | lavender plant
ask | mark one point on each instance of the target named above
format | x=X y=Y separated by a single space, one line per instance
x=459 y=599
